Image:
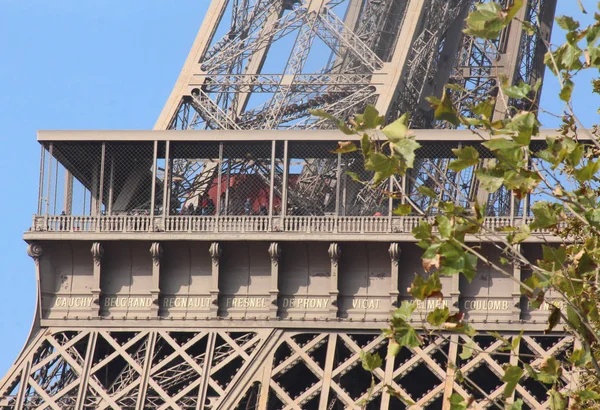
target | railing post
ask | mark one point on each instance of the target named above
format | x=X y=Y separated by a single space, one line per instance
x=284 y=188
x=153 y=190
x=165 y=209
x=272 y=181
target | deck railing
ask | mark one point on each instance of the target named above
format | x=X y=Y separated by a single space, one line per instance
x=245 y=224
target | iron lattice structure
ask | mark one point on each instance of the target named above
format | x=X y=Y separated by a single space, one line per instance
x=343 y=55
x=340 y=55
x=248 y=369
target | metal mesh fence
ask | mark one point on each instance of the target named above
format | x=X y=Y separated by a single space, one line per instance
x=312 y=179
x=192 y=178
x=246 y=179
x=359 y=196
x=258 y=179
x=128 y=173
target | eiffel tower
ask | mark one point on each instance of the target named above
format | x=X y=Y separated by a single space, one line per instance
x=224 y=260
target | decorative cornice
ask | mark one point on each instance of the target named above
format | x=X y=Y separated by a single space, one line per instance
x=97 y=252
x=34 y=250
x=156 y=251
x=335 y=252
x=395 y=252
x=215 y=252
x=274 y=252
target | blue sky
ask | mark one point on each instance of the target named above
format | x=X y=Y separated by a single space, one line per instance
x=95 y=64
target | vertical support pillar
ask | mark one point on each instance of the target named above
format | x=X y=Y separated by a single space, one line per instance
x=41 y=187
x=394 y=252
x=272 y=178
x=68 y=193
x=338 y=185
x=274 y=254
x=101 y=188
x=284 y=188
x=219 y=183
x=215 y=255
x=94 y=190
x=165 y=207
x=516 y=291
x=49 y=190
x=334 y=255
x=156 y=251
x=111 y=184
x=450 y=371
x=455 y=294
x=97 y=253
x=153 y=189
x=328 y=371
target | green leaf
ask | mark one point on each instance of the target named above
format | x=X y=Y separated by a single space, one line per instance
x=545 y=215
x=457 y=402
x=404 y=311
x=558 y=401
x=567 y=23
x=550 y=370
x=466 y=157
x=393 y=348
x=444 y=109
x=485 y=108
x=423 y=190
x=402 y=210
x=588 y=171
x=443 y=224
x=406 y=148
x=496 y=144
x=490 y=180
x=512 y=375
x=340 y=124
x=370 y=119
x=365 y=145
x=518 y=91
x=438 y=316
x=398 y=129
x=487 y=21
x=370 y=362
x=353 y=175
x=585 y=395
x=422 y=288
x=580 y=357
x=573 y=317
x=567 y=90
x=517 y=405
x=467 y=350
x=345 y=147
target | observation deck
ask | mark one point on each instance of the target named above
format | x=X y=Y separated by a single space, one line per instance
x=232 y=185
x=228 y=226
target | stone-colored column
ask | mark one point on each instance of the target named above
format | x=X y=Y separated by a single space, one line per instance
x=215 y=251
x=34 y=250
x=334 y=255
x=156 y=251
x=455 y=294
x=516 y=290
x=274 y=254
x=97 y=253
x=395 y=252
